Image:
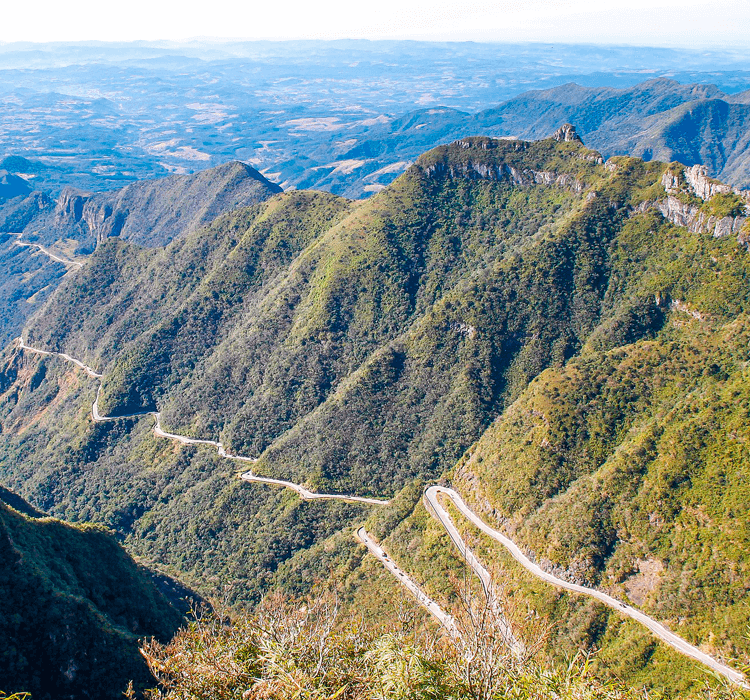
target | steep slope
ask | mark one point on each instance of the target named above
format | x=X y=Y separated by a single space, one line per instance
x=712 y=132
x=27 y=278
x=74 y=608
x=342 y=304
x=625 y=467
x=363 y=347
x=149 y=212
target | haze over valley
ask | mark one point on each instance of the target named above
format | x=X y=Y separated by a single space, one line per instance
x=346 y=116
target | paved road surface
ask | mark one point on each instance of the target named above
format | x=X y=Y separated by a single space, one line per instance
x=481 y=572
x=99 y=418
x=48 y=253
x=431 y=498
x=310 y=495
x=422 y=598
x=92 y=373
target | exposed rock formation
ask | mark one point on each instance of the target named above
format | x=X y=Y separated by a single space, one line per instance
x=692 y=218
x=703 y=186
x=681 y=212
x=151 y=212
x=485 y=167
x=567 y=132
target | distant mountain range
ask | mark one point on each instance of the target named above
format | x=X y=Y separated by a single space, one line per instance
x=100 y=116
x=659 y=119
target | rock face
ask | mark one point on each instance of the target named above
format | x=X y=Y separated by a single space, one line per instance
x=694 y=180
x=697 y=221
x=152 y=212
x=567 y=132
x=703 y=186
x=476 y=161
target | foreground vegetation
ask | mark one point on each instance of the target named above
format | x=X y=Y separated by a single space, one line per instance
x=306 y=649
x=74 y=607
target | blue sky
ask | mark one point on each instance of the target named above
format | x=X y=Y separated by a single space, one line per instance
x=686 y=23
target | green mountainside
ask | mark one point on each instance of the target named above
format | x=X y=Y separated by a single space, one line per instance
x=518 y=317
x=74 y=607
x=27 y=278
x=151 y=213
x=657 y=120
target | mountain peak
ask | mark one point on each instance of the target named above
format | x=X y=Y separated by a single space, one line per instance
x=149 y=212
x=237 y=170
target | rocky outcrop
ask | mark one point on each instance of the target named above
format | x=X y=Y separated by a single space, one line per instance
x=681 y=212
x=70 y=204
x=692 y=218
x=486 y=167
x=150 y=212
x=695 y=179
x=517 y=176
x=704 y=186
x=567 y=132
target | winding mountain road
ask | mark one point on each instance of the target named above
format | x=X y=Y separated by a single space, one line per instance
x=446 y=620
x=48 y=253
x=432 y=502
x=431 y=497
x=92 y=373
x=311 y=495
x=99 y=418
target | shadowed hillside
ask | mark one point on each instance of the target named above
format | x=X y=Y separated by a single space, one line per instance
x=75 y=606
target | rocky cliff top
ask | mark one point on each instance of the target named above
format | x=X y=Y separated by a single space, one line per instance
x=567 y=132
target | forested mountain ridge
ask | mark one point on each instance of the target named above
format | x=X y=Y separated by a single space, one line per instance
x=75 y=606
x=356 y=298
x=660 y=119
x=150 y=212
x=366 y=346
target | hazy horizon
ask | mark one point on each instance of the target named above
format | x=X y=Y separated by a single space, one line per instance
x=688 y=24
